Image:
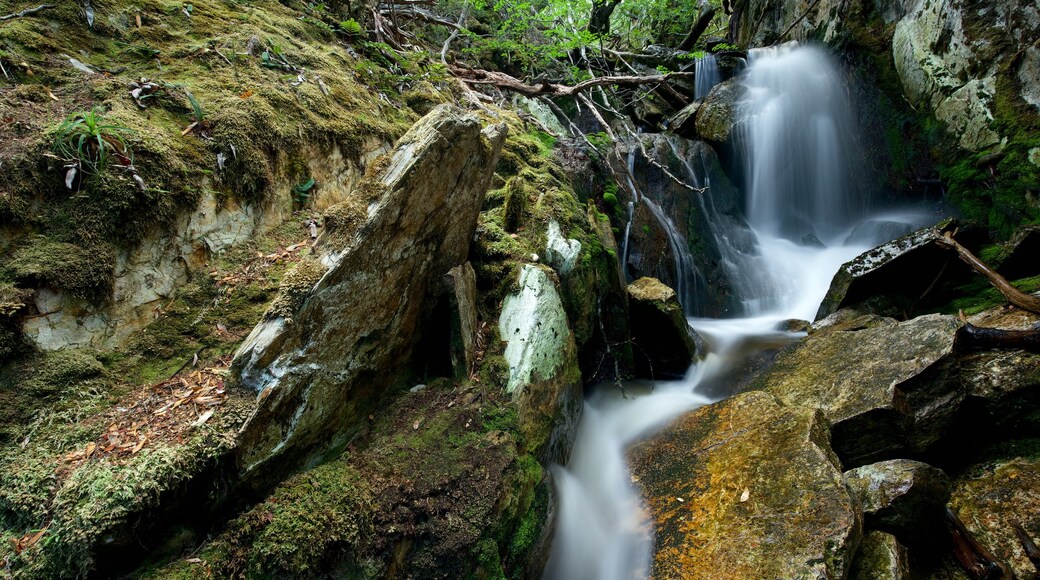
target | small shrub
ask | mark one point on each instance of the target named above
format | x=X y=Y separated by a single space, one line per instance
x=350 y=27
x=90 y=142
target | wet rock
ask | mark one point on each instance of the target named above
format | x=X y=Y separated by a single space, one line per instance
x=747 y=488
x=811 y=240
x=683 y=123
x=892 y=277
x=664 y=340
x=991 y=498
x=543 y=369
x=880 y=557
x=872 y=383
x=718 y=114
x=320 y=376
x=902 y=497
x=793 y=325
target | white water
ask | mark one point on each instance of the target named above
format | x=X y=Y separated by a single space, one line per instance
x=796 y=167
x=706 y=76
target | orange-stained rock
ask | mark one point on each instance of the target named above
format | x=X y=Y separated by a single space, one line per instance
x=747 y=488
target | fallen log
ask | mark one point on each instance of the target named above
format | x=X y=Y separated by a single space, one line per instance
x=698 y=28
x=1013 y=295
x=970 y=337
x=27 y=12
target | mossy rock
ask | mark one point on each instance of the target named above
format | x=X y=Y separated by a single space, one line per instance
x=82 y=272
x=747 y=488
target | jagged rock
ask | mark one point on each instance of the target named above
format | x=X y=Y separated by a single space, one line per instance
x=319 y=377
x=543 y=368
x=902 y=497
x=561 y=253
x=793 y=325
x=747 y=488
x=665 y=342
x=880 y=557
x=888 y=276
x=683 y=123
x=994 y=496
x=463 y=299
x=871 y=383
x=718 y=114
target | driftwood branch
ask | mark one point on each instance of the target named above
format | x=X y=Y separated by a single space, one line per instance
x=1014 y=295
x=1028 y=545
x=27 y=12
x=504 y=81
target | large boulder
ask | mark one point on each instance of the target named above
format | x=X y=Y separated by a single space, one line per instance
x=902 y=497
x=717 y=116
x=892 y=277
x=665 y=341
x=747 y=488
x=872 y=383
x=319 y=371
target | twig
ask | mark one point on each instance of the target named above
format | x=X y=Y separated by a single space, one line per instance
x=795 y=23
x=505 y=81
x=27 y=12
x=454 y=34
x=1013 y=295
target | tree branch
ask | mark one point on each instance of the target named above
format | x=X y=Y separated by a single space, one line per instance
x=1013 y=295
x=27 y=12
x=504 y=81
x=698 y=28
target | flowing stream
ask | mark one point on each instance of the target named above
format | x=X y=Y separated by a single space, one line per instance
x=807 y=220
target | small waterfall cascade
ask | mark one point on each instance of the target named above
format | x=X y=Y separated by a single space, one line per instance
x=795 y=139
x=798 y=169
x=706 y=76
x=688 y=278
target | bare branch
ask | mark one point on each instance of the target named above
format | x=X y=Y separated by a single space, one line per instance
x=504 y=81
x=27 y=12
x=1013 y=295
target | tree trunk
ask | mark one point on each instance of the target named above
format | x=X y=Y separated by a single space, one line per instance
x=599 y=20
x=698 y=28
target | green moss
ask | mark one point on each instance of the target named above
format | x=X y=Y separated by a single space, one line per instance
x=310 y=520
x=84 y=273
x=979 y=295
x=295 y=288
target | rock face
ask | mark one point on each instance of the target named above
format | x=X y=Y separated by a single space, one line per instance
x=891 y=276
x=880 y=557
x=863 y=379
x=992 y=498
x=717 y=115
x=543 y=367
x=320 y=375
x=659 y=328
x=902 y=497
x=747 y=488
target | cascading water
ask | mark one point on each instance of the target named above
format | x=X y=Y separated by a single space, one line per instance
x=706 y=76
x=797 y=169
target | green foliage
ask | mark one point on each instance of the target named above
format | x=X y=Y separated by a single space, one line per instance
x=600 y=140
x=302 y=192
x=88 y=139
x=196 y=108
x=351 y=27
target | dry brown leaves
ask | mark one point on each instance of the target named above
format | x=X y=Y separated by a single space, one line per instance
x=163 y=412
x=28 y=540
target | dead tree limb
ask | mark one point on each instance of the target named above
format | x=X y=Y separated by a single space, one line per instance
x=970 y=337
x=1013 y=295
x=1028 y=545
x=504 y=81
x=795 y=23
x=971 y=555
x=27 y=12
x=698 y=28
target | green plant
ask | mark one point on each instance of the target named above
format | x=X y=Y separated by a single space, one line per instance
x=196 y=108
x=350 y=27
x=302 y=192
x=88 y=142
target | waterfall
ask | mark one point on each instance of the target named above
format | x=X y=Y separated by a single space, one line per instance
x=706 y=76
x=796 y=144
x=803 y=221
